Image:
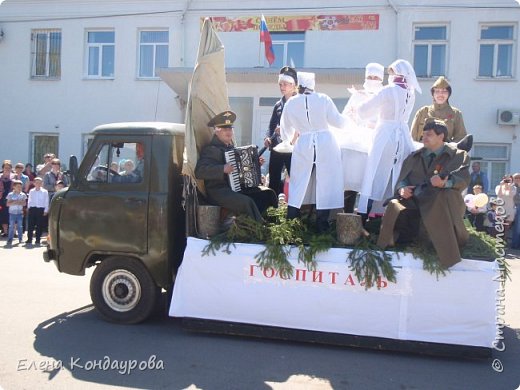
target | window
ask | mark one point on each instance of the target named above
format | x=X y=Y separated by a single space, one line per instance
x=100 y=53
x=494 y=161
x=288 y=49
x=46 y=54
x=153 y=52
x=496 y=51
x=118 y=163
x=43 y=143
x=429 y=51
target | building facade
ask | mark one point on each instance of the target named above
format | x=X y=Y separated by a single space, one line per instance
x=67 y=66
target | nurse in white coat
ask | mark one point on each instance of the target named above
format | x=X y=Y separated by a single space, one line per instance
x=356 y=141
x=310 y=114
x=392 y=142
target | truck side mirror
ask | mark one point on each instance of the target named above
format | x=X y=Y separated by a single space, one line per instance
x=73 y=169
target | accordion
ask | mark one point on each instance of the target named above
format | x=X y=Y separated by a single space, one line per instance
x=247 y=167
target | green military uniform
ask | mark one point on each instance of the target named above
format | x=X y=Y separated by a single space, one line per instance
x=440 y=209
x=210 y=168
x=451 y=116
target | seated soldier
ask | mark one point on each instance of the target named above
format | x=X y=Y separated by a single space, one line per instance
x=213 y=169
x=429 y=190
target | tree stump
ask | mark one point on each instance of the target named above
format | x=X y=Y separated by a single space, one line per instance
x=348 y=228
x=208 y=221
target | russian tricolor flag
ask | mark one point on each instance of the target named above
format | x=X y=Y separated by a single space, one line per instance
x=265 y=37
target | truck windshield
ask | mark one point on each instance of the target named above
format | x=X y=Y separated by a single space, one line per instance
x=118 y=163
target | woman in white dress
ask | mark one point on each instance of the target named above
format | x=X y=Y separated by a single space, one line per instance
x=392 y=141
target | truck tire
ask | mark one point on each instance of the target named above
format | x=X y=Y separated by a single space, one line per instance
x=123 y=290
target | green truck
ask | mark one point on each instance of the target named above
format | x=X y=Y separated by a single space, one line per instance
x=123 y=214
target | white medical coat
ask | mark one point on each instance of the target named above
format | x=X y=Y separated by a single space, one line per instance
x=392 y=141
x=311 y=115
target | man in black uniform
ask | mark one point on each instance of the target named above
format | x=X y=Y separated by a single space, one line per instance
x=213 y=169
x=287 y=81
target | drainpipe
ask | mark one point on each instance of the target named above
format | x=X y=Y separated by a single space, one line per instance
x=394 y=7
x=183 y=29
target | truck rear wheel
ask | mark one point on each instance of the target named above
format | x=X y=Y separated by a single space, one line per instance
x=123 y=290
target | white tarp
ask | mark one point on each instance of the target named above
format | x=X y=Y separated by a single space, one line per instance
x=457 y=309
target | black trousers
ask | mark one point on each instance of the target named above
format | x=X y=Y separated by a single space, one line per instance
x=36 y=222
x=276 y=164
x=477 y=220
x=263 y=199
x=349 y=198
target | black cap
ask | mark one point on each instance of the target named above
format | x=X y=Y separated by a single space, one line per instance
x=224 y=119
x=291 y=72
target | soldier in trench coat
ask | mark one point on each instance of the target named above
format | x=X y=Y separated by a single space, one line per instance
x=424 y=194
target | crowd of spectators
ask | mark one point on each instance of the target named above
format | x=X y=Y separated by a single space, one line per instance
x=25 y=195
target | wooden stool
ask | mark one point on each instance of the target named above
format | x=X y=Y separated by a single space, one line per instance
x=348 y=228
x=208 y=221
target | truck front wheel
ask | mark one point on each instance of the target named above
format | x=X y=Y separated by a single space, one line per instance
x=123 y=290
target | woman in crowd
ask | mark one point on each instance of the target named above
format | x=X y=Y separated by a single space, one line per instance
x=6 y=179
x=515 y=242
x=506 y=191
x=28 y=171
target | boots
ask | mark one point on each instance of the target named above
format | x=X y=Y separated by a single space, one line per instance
x=466 y=143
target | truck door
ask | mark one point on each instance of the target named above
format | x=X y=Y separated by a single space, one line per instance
x=108 y=208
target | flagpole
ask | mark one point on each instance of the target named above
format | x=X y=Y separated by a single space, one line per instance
x=260 y=54
x=260 y=64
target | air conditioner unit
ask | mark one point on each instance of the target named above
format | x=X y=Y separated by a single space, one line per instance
x=508 y=117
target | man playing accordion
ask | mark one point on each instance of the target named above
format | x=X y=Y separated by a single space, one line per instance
x=215 y=171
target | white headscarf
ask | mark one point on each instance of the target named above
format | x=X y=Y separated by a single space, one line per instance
x=375 y=69
x=306 y=80
x=403 y=68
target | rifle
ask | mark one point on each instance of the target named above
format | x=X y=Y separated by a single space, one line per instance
x=264 y=148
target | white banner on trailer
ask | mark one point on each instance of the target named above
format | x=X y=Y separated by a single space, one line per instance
x=459 y=308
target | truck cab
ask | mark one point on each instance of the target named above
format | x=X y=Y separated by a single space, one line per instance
x=123 y=214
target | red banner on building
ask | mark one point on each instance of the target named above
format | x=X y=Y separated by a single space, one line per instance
x=298 y=23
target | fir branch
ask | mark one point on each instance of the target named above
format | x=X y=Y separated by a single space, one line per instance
x=370 y=263
x=426 y=252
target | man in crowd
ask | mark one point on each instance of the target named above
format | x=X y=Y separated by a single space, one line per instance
x=478 y=177
x=213 y=169
x=429 y=191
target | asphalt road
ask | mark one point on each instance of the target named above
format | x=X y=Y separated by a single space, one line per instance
x=47 y=318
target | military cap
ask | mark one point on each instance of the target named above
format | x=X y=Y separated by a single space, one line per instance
x=437 y=125
x=441 y=83
x=288 y=74
x=224 y=119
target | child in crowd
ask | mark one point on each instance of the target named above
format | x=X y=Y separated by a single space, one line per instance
x=476 y=215
x=489 y=221
x=38 y=206
x=59 y=185
x=16 y=201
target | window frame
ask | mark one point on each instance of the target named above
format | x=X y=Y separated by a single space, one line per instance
x=496 y=42
x=430 y=43
x=486 y=163
x=85 y=175
x=36 y=56
x=89 y=45
x=154 y=57
x=285 y=43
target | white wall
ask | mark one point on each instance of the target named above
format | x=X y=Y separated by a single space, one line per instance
x=72 y=106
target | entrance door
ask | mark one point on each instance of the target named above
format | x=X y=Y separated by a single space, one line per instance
x=43 y=144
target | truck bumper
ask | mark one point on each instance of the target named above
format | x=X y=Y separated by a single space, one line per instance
x=49 y=255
